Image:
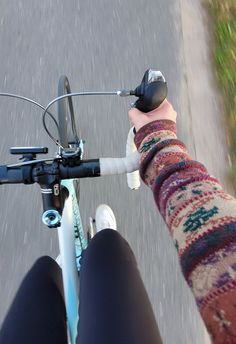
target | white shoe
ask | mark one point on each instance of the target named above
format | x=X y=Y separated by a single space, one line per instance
x=105 y=218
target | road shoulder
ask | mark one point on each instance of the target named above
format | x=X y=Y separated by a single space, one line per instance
x=204 y=100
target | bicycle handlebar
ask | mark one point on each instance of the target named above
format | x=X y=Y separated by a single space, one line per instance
x=30 y=174
x=13 y=176
x=44 y=173
x=111 y=166
x=48 y=176
x=133 y=179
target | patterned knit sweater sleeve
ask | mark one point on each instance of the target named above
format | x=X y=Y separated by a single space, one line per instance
x=201 y=219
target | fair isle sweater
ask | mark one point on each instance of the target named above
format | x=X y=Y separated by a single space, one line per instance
x=201 y=218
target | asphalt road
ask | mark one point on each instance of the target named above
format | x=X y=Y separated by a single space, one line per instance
x=100 y=45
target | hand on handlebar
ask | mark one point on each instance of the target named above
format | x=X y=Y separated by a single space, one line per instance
x=164 y=111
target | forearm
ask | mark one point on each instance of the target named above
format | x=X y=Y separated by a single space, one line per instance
x=201 y=219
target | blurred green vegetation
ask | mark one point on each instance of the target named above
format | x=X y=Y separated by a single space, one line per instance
x=224 y=19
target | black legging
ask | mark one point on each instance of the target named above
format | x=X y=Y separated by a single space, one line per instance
x=114 y=306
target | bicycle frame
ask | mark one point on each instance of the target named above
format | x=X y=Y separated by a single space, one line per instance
x=72 y=242
x=70 y=233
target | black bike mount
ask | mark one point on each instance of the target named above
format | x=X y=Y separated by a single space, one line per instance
x=28 y=153
x=71 y=156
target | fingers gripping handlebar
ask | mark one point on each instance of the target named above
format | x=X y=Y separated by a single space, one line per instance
x=151 y=93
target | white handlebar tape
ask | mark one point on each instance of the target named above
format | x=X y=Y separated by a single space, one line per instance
x=110 y=166
x=133 y=179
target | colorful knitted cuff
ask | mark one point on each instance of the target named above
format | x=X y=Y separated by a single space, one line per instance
x=153 y=127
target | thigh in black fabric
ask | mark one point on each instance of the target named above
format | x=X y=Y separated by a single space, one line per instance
x=114 y=306
x=37 y=314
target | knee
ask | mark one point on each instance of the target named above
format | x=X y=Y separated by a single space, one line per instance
x=43 y=262
x=45 y=265
x=108 y=247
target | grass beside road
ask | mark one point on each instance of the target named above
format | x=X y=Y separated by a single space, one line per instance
x=224 y=19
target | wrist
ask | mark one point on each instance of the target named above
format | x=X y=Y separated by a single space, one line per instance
x=157 y=127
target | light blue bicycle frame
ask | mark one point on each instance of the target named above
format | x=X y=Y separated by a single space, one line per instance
x=72 y=241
